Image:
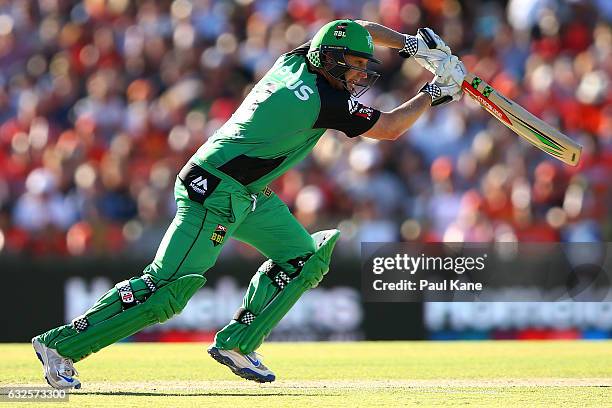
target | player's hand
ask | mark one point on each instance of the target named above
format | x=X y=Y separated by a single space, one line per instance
x=441 y=92
x=426 y=43
x=427 y=48
x=451 y=71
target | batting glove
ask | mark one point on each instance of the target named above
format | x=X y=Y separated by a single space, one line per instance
x=451 y=71
x=441 y=92
x=427 y=48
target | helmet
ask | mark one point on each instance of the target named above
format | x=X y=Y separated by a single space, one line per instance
x=335 y=40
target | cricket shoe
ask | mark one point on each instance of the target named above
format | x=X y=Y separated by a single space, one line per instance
x=248 y=366
x=59 y=371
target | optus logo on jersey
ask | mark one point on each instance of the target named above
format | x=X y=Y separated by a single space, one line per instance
x=293 y=82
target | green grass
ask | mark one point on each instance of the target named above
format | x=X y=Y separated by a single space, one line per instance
x=367 y=374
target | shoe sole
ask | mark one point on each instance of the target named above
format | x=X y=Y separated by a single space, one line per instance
x=42 y=361
x=245 y=373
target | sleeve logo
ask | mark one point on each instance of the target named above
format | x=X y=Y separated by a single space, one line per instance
x=359 y=110
x=353 y=105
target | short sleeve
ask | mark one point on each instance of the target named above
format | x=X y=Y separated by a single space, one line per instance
x=340 y=111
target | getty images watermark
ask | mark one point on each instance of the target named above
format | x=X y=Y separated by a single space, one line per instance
x=412 y=272
x=413 y=264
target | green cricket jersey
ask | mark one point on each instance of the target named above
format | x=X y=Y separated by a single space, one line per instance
x=280 y=122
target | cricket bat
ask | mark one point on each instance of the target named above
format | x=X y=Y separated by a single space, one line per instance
x=536 y=131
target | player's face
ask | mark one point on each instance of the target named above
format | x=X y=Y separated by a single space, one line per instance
x=354 y=76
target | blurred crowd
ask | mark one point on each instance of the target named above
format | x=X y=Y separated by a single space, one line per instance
x=103 y=101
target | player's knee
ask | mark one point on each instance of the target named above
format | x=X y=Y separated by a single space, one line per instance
x=161 y=300
x=172 y=298
x=310 y=268
x=134 y=291
x=131 y=293
x=314 y=270
x=317 y=264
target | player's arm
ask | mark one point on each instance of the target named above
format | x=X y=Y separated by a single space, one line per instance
x=425 y=44
x=427 y=48
x=441 y=90
x=355 y=119
x=391 y=125
x=383 y=36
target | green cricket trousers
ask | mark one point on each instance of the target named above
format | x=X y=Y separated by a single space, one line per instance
x=212 y=207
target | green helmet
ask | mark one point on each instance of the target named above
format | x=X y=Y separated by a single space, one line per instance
x=336 y=39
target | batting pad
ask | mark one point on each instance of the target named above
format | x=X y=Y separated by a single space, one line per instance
x=267 y=302
x=164 y=303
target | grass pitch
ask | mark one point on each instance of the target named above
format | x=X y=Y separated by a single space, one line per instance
x=366 y=374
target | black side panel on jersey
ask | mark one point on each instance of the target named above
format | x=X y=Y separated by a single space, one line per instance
x=341 y=112
x=246 y=170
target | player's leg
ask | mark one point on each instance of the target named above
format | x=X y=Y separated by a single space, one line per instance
x=162 y=291
x=189 y=247
x=297 y=263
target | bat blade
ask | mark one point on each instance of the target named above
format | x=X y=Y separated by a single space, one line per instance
x=522 y=122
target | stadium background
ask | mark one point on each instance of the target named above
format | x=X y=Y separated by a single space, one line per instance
x=102 y=101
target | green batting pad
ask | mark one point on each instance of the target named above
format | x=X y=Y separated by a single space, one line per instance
x=165 y=302
x=269 y=304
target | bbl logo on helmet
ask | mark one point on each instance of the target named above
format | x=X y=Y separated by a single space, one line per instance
x=218 y=235
x=340 y=31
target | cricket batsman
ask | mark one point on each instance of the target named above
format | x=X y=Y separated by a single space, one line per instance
x=223 y=192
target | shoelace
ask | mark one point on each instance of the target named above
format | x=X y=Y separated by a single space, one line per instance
x=257 y=357
x=254 y=355
x=67 y=367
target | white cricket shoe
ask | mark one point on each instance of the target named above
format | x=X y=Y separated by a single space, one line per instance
x=59 y=371
x=248 y=366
